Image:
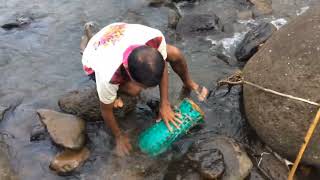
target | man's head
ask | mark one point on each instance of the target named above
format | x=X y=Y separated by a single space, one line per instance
x=146 y=66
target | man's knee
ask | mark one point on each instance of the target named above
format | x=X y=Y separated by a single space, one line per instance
x=174 y=54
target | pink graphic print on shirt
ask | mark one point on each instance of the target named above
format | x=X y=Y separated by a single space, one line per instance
x=111 y=36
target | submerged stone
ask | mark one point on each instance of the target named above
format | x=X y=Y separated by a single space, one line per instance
x=3 y=109
x=20 y=22
x=69 y=160
x=6 y=172
x=199 y=24
x=236 y=161
x=262 y=7
x=209 y=162
x=38 y=133
x=65 y=130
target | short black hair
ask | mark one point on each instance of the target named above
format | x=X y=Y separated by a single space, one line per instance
x=146 y=65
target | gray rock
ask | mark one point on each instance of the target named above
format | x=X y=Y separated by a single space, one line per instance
x=198 y=24
x=262 y=7
x=3 y=109
x=65 y=130
x=252 y=40
x=156 y=3
x=289 y=63
x=84 y=103
x=38 y=133
x=237 y=162
x=209 y=162
x=273 y=168
x=20 y=22
x=173 y=19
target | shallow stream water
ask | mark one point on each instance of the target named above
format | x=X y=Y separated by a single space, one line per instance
x=41 y=61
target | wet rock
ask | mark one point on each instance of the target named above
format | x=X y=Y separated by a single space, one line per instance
x=38 y=133
x=245 y=15
x=6 y=172
x=3 y=109
x=69 y=160
x=289 y=63
x=273 y=168
x=199 y=24
x=209 y=162
x=20 y=22
x=262 y=7
x=256 y=175
x=84 y=103
x=65 y=129
x=237 y=162
x=173 y=19
x=252 y=40
x=156 y=3
x=181 y=169
x=176 y=1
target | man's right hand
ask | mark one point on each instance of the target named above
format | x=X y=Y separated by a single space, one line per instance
x=123 y=146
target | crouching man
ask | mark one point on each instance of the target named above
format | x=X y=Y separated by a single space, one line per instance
x=128 y=58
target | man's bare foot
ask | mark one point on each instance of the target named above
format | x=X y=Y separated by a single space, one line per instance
x=201 y=91
x=118 y=103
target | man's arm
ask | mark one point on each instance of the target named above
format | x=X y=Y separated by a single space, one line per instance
x=165 y=108
x=109 y=119
x=123 y=145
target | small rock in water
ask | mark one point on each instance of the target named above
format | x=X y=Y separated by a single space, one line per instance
x=237 y=163
x=274 y=168
x=245 y=15
x=6 y=172
x=156 y=3
x=38 y=133
x=199 y=24
x=20 y=22
x=65 y=129
x=252 y=40
x=3 y=109
x=69 y=160
x=262 y=7
x=209 y=162
x=173 y=19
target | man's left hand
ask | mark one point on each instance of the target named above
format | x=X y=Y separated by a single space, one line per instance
x=169 y=116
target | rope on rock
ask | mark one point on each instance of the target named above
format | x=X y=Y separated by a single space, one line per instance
x=237 y=79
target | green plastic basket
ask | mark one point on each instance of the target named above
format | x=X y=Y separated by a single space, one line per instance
x=157 y=139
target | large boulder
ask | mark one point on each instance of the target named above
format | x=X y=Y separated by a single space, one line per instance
x=289 y=63
x=65 y=130
x=84 y=103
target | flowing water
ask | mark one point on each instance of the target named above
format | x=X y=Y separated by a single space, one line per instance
x=41 y=61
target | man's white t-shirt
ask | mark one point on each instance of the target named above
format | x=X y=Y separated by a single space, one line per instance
x=109 y=49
